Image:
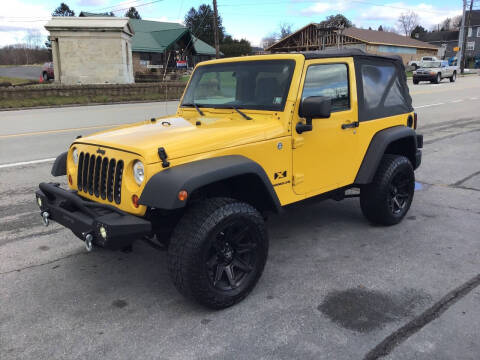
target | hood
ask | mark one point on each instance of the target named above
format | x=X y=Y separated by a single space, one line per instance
x=182 y=137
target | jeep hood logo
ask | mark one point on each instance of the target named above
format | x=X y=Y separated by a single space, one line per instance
x=100 y=151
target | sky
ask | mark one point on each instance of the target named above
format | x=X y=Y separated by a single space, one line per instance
x=249 y=19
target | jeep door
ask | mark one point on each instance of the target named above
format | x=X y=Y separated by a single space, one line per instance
x=326 y=157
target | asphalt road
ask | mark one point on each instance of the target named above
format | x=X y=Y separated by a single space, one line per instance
x=334 y=286
x=32 y=72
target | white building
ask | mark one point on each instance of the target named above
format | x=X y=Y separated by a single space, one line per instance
x=91 y=50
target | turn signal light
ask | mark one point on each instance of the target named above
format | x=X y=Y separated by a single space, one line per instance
x=135 y=200
x=182 y=195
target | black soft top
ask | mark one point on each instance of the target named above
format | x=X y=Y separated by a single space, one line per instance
x=382 y=88
x=346 y=52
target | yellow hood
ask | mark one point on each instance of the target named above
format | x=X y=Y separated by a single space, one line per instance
x=181 y=137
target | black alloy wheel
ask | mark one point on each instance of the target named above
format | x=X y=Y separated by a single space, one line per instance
x=387 y=199
x=217 y=251
x=232 y=254
x=399 y=192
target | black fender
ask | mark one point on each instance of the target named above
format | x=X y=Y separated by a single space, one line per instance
x=59 y=167
x=161 y=191
x=379 y=144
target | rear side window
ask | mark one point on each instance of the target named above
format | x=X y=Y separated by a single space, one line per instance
x=329 y=80
x=383 y=92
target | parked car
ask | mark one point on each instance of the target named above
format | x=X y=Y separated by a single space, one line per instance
x=435 y=71
x=47 y=71
x=418 y=63
x=245 y=140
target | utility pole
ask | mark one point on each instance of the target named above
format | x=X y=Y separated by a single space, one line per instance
x=461 y=37
x=215 y=29
x=465 y=26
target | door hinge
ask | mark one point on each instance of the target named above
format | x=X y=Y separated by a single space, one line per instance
x=297 y=179
x=297 y=142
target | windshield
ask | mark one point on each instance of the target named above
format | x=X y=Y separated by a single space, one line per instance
x=261 y=85
x=431 y=64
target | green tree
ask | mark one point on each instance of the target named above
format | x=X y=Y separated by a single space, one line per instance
x=200 y=23
x=233 y=47
x=418 y=30
x=380 y=28
x=336 y=21
x=132 y=13
x=63 y=10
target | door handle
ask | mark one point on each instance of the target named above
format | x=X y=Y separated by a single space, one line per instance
x=354 y=124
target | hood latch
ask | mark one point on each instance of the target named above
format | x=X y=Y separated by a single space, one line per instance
x=163 y=156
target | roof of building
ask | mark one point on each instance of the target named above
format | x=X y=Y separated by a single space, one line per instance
x=89 y=23
x=386 y=38
x=345 y=52
x=90 y=14
x=438 y=36
x=474 y=17
x=156 y=36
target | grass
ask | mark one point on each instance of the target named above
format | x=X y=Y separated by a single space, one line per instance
x=16 y=81
x=409 y=74
x=68 y=100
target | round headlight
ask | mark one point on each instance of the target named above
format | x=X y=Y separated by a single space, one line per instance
x=138 y=173
x=75 y=156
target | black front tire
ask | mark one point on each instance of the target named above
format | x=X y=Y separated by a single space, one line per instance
x=415 y=82
x=438 y=79
x=387 y=199
x=218 y=251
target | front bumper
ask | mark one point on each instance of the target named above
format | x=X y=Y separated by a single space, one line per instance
x=424 y=77
x=85 y=218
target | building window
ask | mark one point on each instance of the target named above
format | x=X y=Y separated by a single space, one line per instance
x=478 y=31
x=469 y=34
x=330 y=80
x=470 y=45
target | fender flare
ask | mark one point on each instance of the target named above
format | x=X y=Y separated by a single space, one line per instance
x=376 y=150
x=59 y=167
x=161 y=191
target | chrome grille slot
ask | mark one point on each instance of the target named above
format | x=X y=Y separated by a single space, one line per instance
x=110 y=177
x=96 y=178
x=80 y=171
x=91 y=168
x=117 y=191
x=100 y=176
x=86 y=161
x=103 y=182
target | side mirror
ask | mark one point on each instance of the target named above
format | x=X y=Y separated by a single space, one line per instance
x=313 y=107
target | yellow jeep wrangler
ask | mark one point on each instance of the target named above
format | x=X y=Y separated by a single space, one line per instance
x=251 y=135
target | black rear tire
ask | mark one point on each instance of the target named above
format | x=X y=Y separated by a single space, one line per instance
x=45 y=76
x=387 y=199
x=218 y=251
x=453 y=77
x=415 y=82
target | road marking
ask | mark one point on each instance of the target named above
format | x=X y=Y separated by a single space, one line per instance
x=456 y=101
x=424 y=106
x=3 y=166
x=59 y=131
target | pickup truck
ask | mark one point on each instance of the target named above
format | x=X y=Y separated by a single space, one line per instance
x=435 y=71
x=418 y=63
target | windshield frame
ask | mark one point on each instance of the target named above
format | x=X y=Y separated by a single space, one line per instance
x=274 y=107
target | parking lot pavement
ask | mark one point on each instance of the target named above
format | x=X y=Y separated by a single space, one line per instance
x=334 y=286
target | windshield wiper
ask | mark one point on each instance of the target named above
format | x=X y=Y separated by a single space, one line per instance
x=196 y=108
x=240 y=112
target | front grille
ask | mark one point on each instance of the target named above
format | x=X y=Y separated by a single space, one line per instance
x=100 y=176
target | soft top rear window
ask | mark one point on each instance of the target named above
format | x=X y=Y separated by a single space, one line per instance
x=260 y=84
x=382 y=89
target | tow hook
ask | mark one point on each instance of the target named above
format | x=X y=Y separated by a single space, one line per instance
x=45 y=217
x=88 y=242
